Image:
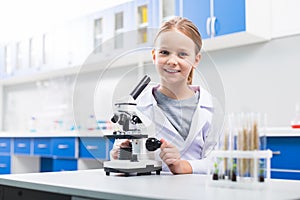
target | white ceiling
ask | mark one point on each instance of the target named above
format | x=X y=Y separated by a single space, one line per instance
x=20 y=19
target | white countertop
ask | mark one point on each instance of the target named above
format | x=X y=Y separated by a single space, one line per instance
x=95 y=184
x=93 y=133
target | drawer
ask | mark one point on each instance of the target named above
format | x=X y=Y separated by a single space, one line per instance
x=58 y=164
x=285 y=164
x=5 y=145
x=64 y=147
x=42 y=146
x=22 y=146
x=285 y=175
x=5 y=163
x=289 y=148
x=93 y=147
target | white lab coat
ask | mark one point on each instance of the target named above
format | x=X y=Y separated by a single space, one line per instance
x=190 y=149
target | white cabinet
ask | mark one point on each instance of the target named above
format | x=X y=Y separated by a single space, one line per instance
x=285 y=18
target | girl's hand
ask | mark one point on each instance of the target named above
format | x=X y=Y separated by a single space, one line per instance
x=114 y=153
x=171 y=156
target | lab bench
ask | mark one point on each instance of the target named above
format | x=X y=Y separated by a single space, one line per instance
x=94 y=184
x=64 y=151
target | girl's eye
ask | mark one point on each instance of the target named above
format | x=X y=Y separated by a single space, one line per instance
x=182 y=54
x=163 y=52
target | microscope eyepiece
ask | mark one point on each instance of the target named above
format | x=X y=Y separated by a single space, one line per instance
x=140 y=87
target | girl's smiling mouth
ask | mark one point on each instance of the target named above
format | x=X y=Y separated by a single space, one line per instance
x=171 y=70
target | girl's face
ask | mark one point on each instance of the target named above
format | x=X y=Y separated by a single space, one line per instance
x=174 y=56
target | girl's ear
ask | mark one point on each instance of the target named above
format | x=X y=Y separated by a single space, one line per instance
x=197 y=60
x=153 y=56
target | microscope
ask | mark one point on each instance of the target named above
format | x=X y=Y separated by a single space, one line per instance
x=130 y=127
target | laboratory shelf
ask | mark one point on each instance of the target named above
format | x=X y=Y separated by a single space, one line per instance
x=38 y=76
x=120 y=58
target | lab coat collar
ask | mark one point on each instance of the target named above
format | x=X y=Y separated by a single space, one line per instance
x=205 y=100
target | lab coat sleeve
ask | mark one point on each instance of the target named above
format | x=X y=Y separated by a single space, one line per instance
x=202 y=166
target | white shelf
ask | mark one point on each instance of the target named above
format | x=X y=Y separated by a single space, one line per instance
x=120 y=58
x=231 y=40
x=282 y=132
x=38 y=76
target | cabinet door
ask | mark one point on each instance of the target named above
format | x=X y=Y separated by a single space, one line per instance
x=42 y=146
x=288 y=159
x=5 y=164
x=230 y=16
x=58 y=164
x=4 y=145
x=93 y=148
x=64 y=147
x=198 y=11
x=22 y=145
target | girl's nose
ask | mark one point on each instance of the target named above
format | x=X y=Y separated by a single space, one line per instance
x=172 y=60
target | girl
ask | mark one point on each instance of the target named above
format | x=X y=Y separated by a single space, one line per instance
x=180 y=112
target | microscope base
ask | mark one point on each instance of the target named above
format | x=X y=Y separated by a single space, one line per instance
x=142 y=167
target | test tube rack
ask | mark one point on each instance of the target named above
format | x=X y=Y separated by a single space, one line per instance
x=251 y=182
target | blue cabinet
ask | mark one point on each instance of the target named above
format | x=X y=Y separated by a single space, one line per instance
x=198 y=11
x=22 y=146
x=51 y=153
x=58 y=164
x=42 y=146
x=5 y=164
x=216 y=17
x=285 y=163
x=229 y=16
x=5 y=145
x=5 y=158
x=64 y=147
x=62 y=153
x=95 y=147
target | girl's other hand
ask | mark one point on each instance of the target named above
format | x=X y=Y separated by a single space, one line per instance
x=171 y=156
x=114 y=153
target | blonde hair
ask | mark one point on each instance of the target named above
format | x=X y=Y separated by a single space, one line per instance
x=188 y=28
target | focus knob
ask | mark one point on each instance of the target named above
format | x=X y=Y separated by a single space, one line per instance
x=152 y=144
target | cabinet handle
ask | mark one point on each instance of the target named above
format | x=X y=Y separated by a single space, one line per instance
x=213 y=26
x=42 y=146
x=63 y=146
x=2 y=144
x=90 y=147
x=21 y=145
x=3 y=165
x=276 y=152
x=208 y=21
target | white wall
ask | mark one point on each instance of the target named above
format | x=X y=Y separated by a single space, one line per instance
x=262 y=77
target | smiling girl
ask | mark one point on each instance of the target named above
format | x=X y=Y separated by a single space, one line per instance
x=180 y=112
